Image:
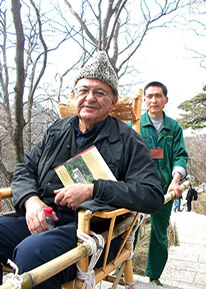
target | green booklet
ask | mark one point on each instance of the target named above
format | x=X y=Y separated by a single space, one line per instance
x=84 y=168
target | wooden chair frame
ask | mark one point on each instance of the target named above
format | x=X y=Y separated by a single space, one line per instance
x=82 y=252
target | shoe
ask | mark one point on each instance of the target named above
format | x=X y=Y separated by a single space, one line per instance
x=156 y=282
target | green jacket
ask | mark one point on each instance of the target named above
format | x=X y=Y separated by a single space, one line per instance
x=171 y=141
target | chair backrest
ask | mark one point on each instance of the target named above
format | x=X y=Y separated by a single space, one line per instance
x=126 y=109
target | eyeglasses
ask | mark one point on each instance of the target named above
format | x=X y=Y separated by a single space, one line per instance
x=83 y=91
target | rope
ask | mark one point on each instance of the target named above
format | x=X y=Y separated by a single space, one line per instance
x=135 y=227
x=96 y=250
x=131 y=237
x=13 y=278
x=129 y=285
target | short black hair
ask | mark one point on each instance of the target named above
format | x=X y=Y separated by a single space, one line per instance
x=158 y=84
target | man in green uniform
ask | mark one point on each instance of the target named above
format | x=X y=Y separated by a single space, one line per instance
x=164 y=138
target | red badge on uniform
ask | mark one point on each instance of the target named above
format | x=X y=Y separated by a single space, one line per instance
x=157 y=153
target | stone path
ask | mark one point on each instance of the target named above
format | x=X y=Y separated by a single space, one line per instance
x=186 y=266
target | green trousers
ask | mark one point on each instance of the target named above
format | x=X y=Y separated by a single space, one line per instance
x=158 y=244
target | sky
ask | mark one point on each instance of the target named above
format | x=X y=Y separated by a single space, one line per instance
x=166 y=55
x=172 y=62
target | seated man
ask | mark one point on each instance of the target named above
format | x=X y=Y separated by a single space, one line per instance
x=26 y=239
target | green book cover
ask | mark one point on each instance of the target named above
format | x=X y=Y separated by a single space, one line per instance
x=84 y=168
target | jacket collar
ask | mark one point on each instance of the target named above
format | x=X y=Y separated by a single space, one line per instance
x=110 y=126
x=165 y=125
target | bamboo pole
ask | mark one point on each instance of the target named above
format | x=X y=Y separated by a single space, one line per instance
x=5 y=193
x=51 y=268
x=137 y=111
x=169 y=196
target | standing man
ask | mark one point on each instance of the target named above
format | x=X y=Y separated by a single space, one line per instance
x=177 y=205
x=191 y=195
x=164 y=139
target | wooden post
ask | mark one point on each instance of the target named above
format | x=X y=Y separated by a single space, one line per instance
x=137 y=111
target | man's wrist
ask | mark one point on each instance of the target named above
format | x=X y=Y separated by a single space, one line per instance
x=177 y=177
x=180 y=170
x=31 y=200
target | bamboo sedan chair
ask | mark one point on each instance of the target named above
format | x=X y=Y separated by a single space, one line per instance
x=127 y=110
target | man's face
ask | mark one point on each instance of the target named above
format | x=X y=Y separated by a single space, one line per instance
x=155 y=101
x=93 y=101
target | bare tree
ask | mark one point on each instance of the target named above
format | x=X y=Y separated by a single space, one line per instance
x=197 y=161
x=118 y=27
x=19 y=81
x=198 y=25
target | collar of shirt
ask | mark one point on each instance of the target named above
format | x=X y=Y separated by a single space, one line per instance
x=157 y=122
x=82 y=137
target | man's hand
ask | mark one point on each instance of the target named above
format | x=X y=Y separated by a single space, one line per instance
x=174 y=186
x=35 y=216
x=74 y=195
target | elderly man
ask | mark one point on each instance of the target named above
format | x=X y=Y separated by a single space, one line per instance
x=26 y=239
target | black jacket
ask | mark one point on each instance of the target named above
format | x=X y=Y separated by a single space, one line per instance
x=138 y=187
x=191 y=195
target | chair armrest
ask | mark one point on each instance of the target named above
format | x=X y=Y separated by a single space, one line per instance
x=5 y=193
x=84 y=218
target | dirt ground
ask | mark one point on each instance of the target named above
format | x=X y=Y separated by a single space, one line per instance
x=140 y=254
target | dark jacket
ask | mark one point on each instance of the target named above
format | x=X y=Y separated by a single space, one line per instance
x=191 y=195
x=138 y=187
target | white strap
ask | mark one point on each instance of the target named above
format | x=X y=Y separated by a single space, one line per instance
x=135 y=227
x=131 y=237
x=89 y=276
x=13 y=278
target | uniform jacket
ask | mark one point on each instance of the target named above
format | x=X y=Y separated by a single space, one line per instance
x=171 y=140
x=138 y=187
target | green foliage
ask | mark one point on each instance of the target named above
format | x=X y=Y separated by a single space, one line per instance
x=195 y=112
x=83 y=174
